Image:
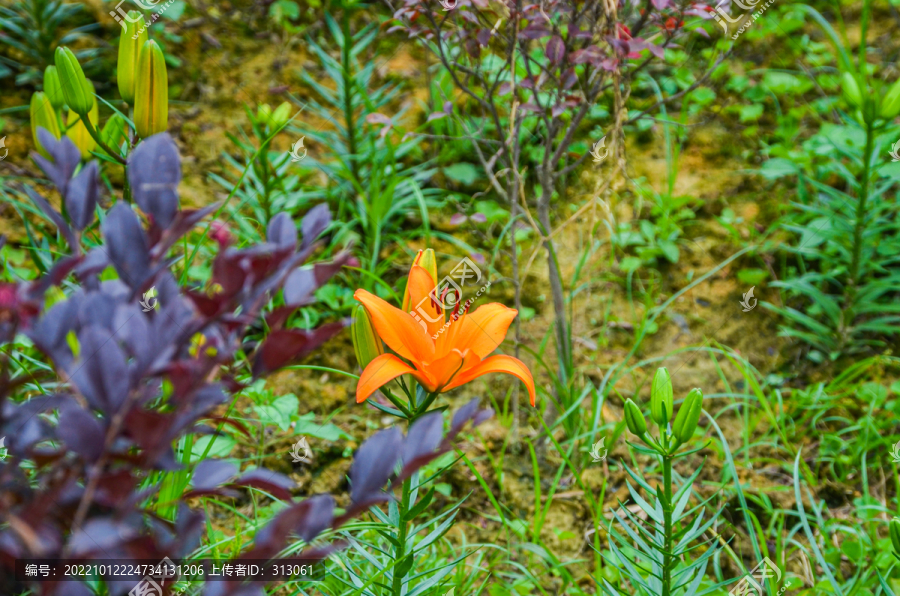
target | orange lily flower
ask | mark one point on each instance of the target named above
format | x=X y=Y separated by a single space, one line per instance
x=460 y=352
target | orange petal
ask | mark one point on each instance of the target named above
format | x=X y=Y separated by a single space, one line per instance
x=380 y=371
x=481 y=331
x=400 y=331
x=500 y=363
x=444 y=370
x=419 y=286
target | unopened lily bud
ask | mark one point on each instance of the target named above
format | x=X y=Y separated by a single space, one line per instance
x=427 y=261
x=281 y=115
x=133 y=38
x=113 y=132
x=76 y=89
x=366 y=342
x=688 y=416
x=151 y=92
x=263 y=114
x=42 y=116
x=850 y=87
x=895 y=535
x=78 y=132
x=634 y=419
x=890 y=103
x=661 y=397
x=53 y=88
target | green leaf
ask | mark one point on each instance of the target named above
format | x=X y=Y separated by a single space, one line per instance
x=778 y=167
x=221 y=446
x=752 y=276
x=327 y=432
x=462 y=173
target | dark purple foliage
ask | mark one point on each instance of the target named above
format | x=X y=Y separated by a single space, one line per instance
x=133 y=381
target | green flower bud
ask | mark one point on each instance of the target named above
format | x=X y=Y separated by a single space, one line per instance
x=688 y=416
x=76 y=89
x=366 y=342
x=661 y=397
x=44 y=116
x=133 y=38
x=113 y=132
x=894 y=527
x=78 y=132
x=634 y=419
x=890 y=103
x=151 y=92
x=281 y=115
x=263 y=114
x=53 y=88
x=850 y=87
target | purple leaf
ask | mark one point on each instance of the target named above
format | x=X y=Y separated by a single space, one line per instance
x=212 y=473
x=282 y=232
x=81 y=196
x=422 y=441
x=435 y=116
x=314 y=223
x=54 y=216
x=273 y=483
x=154 y=171
x=101 y=374
x=534 y=31
x=373 y=465
x=376 y=118
x=479 y=218
x=483 y=36
x=98 y=535
x=65 y=159
x=300 y=286
x=127 y=245
x=556 y=49
x=307 y=519
x=285 y=345
x=457 y=218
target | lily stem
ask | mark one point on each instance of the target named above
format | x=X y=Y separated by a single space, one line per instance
x=93 y=132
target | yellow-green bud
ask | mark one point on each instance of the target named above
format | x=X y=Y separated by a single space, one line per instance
x=634 y=419
x=890 y=103
x=78 y=132
x=366 y=342
x=427 y=261
x=263 y=114
x=151 y=92
x=113 y=132
x=76 y=89
x=53 y=88
x=850 y=87
x=688 y=416
x=281 y=115
x=44 y=116
x=661 y=403
x=894 y=527
x=133 y=38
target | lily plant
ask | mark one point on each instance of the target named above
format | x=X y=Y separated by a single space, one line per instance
x=433 y=350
